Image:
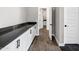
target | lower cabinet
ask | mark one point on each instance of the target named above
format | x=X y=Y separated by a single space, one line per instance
x=13 y=46
x=23 y=42
x=24 y=45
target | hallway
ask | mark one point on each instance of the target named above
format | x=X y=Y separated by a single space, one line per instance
x=43 y=43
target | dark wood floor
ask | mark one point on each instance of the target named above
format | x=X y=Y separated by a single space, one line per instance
x=43 y=43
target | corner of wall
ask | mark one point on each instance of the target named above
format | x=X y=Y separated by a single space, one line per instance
x=59 y=44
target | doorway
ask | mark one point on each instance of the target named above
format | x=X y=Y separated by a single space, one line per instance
x=45 y=41
x=42 y=18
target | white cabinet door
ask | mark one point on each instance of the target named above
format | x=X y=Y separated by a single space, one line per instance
x=27 y=38
x=11 y=46
x=8 y=47
x=71 y=17
x=31 y=35
x=33 y=31
x=24 y=44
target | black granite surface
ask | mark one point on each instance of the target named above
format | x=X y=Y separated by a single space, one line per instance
x=8 y=34
x=70 y=47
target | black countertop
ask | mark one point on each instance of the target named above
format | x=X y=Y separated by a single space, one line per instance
x=8 y=34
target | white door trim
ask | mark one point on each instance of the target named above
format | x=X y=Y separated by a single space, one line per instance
x=49 y=21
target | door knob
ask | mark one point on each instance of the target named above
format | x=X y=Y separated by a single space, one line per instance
x=65 y=25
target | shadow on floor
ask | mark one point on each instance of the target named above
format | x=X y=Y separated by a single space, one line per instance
x=70 y=47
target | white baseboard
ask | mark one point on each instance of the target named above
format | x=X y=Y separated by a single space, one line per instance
x=37 y=35
x=59 y=44
x=53 y=35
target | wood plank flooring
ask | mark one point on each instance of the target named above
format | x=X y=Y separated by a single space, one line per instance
x=43 y=43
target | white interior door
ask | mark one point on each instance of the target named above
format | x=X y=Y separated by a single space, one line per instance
x=71 y=25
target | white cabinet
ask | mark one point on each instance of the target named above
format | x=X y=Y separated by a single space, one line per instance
x=9 y=47
x=23 y=42
x=27 y=38
x=12 y=46
x=31 y=35
x=34 y=31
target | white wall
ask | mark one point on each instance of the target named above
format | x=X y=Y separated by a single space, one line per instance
x=48 y=17
x=57 y=24
x=78 y=27
x=40 y=18
x=15 y=15
x=53 y=21
x=44 y=12
x=60 y=25
x=9 y=16
x=24 y=14
x=33 y=14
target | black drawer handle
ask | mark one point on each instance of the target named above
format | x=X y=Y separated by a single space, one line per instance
x=18 y=43
x=30 y=31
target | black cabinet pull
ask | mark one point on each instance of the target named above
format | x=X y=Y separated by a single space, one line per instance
x=18 y=43
x=30 y=31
